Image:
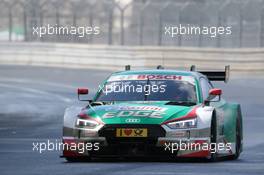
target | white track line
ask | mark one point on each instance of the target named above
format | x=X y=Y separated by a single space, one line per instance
x=36 y=91
x=25 y=81
x=16 y=80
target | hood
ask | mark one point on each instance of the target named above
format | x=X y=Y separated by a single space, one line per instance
x=137 y=112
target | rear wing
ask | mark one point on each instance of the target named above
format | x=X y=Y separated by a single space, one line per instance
x=215 y=75
x=211 y=75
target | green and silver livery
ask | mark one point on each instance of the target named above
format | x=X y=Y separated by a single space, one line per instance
x=161 y=113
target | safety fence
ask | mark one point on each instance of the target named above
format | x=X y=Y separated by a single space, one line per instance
x=136 y=22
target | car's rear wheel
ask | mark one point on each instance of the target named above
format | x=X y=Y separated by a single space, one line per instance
x=238 y=141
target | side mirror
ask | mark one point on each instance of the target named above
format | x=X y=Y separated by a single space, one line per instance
x=212 y=94
x=215 y=92
x=82 y=91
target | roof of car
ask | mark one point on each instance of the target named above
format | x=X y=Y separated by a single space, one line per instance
x=161 y=71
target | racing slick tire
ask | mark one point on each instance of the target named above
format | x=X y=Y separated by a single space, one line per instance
x=213 y=157
x=238 y=141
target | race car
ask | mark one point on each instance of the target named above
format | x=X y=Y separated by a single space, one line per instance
x=156 y=113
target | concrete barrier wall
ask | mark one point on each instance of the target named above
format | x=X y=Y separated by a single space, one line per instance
x=115 y=57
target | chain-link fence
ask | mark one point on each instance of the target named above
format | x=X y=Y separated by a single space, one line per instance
x=135 y=22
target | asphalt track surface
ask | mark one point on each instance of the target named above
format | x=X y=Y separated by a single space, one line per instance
x=32 y=102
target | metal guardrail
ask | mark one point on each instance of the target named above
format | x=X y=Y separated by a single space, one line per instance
x=116 y=57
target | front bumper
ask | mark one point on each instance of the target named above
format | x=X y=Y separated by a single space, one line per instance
x=160 y=142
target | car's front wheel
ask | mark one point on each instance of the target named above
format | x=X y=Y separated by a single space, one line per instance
x=77 y=159
x=213 y=157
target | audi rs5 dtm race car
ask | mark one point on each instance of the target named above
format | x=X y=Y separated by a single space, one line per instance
x=155 y=113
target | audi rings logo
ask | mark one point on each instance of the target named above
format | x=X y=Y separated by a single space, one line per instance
x=132 y=120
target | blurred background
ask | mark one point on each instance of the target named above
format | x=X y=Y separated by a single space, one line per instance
x=136 y=22
x=133 y=32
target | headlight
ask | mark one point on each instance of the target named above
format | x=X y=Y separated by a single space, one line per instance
x=183 y=124
x=89 y=124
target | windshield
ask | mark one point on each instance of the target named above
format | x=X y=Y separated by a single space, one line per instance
x=148 y=90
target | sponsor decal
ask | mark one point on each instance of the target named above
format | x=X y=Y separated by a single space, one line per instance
x=136 y=108
x=159 y=77
x=189 y=79
x=147 y=114
x=131 y=132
